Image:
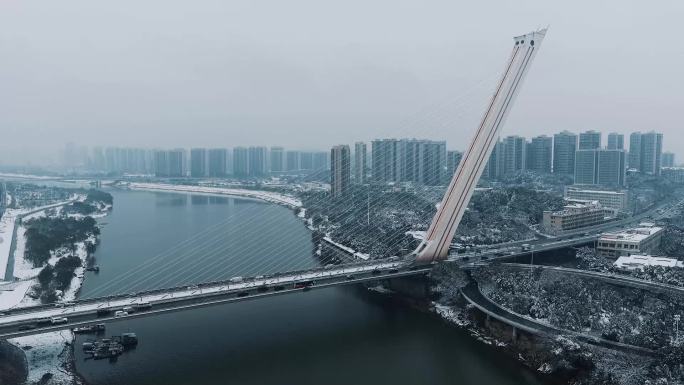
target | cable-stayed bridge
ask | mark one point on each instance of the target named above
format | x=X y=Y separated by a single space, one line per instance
x=433 y=249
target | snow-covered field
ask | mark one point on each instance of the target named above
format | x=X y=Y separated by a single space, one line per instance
x=267 y=196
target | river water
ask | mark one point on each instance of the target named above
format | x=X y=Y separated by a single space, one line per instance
x=330 y=336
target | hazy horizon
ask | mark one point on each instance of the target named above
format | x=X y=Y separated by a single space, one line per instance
x=307 y=75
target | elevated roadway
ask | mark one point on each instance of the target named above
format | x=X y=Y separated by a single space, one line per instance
x=40 y=319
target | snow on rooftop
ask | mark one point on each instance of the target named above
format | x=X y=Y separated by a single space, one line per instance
x=635 y=234
x=597 y=191
x=347 y=249
x=634 y=262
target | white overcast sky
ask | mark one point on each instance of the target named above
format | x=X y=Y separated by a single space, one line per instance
x=309 y=74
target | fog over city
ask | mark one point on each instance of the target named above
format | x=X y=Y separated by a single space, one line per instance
x=308 y=74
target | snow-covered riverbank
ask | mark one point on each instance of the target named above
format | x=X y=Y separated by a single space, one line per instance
x=268 y=196
x=7 y=229
x=49 y=354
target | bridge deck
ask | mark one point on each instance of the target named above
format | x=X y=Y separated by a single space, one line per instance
x=182 y=298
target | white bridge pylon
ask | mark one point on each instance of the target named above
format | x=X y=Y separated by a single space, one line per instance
x=435 y=245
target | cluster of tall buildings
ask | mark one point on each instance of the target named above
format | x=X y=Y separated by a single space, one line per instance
x=253 y=161
x=409 y=160
x=110 y=160
x=419 y=161
x=197 y=162
x=581 y=156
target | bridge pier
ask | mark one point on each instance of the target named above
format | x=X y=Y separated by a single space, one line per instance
x=514 y=335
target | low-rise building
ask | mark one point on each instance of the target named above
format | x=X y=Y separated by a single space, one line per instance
x=576 y=214
x=616 y=200
x=639 y=262
x=639 y=240
x=674 y=174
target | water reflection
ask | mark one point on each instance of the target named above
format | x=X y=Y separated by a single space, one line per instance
x=171 y=199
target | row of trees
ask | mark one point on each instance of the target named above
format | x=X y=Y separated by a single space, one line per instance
x=56 y=278
x=45 y=235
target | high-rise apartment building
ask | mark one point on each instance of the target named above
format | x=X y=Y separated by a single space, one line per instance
x=514 y=154
x=635 y=151
x=198 y=162
x=432 y=163
x=384 y=160
x=258 y=161
x=218 y=160
x=453 y=160
x=539 y=154
x=340 y=171
x=564 y=147
x=586 y=166
x=611 y=167
x=277 y=159
x=651 y=152
x=293 y=161
x=241 y=161
x=589 y=140
x=616 y=141
x=360 y=162
x=177 y=163
x=600 y=167
x=494 y=168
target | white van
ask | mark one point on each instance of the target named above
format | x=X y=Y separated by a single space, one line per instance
x=120 y=313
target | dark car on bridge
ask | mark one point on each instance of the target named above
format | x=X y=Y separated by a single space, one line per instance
x=303 y=284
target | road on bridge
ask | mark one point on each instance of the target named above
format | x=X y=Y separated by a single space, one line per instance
x=38 y=319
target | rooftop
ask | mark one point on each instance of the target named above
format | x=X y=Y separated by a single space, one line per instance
x=575 y=206
x=635 y=234
x=596 y=191
x=634 y=262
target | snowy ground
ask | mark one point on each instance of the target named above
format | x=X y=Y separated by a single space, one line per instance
x=49 y=352
x=267 y=196
x=6 y=233
x=23 y=176
x=349 y=250
x=459 y=317
x=7 y=227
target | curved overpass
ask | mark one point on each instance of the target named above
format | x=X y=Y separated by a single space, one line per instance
x=474 y=296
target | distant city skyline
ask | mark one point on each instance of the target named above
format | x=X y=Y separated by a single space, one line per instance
x=230 y=75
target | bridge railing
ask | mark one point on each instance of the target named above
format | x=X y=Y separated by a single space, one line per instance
x=172 y=289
